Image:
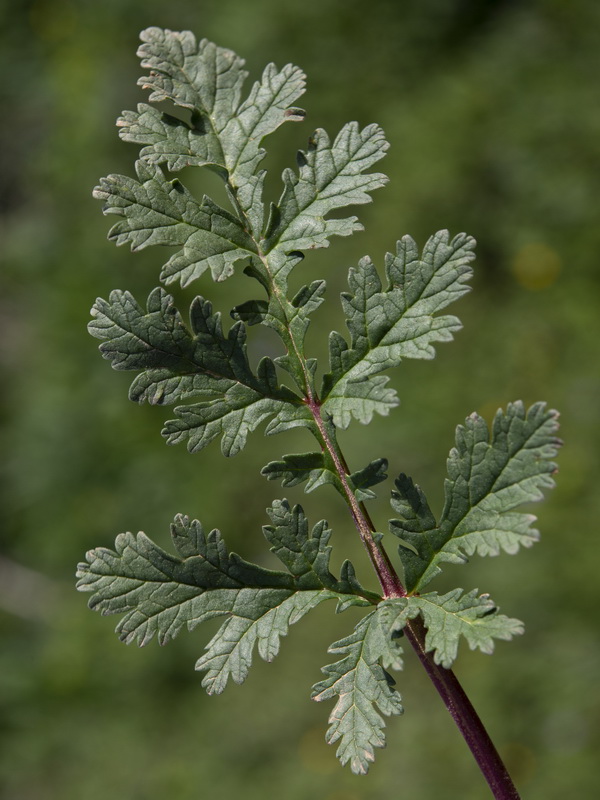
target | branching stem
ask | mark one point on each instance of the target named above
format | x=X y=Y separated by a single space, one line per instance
x=445 y=681
x=224 y=134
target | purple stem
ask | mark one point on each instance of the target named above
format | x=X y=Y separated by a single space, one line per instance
x=465 y=717
x=444 y=680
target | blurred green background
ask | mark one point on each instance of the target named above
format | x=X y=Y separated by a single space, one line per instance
x=493 y=113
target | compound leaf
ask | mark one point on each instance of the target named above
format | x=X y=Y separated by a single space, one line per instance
x=158 y=594
x=177 y=363
x=363 y=689
x=208 y=80
x=221 y=133
x=487 y=480
x=387 y=325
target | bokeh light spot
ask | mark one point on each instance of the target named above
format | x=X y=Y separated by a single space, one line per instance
x=536 y=266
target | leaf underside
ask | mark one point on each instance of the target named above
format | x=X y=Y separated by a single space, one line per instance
x=360 y=682
x=395 y=322
x=224 y=133
x=364 y=691
x=178 y=363
x=206 y=374
x=318 y=469
x=220 y=130
x=449 y=617
x=158 y=594
x=488 y=477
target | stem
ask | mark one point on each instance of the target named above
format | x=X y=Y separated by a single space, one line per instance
x=445 y=681
x=388 y=579
x=464 y=715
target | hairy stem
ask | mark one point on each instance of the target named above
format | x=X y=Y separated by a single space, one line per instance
x=445 y=681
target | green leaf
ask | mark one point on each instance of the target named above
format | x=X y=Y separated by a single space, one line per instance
x=364 y=690
x=306 y=555
x=262 y=621
x=177 y=363
x=222 y=133
x=360 y=400
x=318 y=469
x=161 y=212
x=158 y=594
x=387 y=325
x=294 y=320
x=295 y=468
x=289 y=318
x=362 y=480
x=193 y=75
x=487 y=480
x=225 y=135
x=234 y=148
x=208 y=80
x=309 y=298
x=171 y=141
x=448 y=617
x=240 y=411
x=331 y=176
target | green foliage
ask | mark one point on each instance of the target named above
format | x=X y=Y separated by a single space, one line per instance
x=159 y=593
x=330 y=177
x=486 y=481
x=221 y=134
x=450 y=616
x=318 y=469
x=156 y=593
x=389 y=325
x=179 y=363
x=363 y=688
x=163 y=212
